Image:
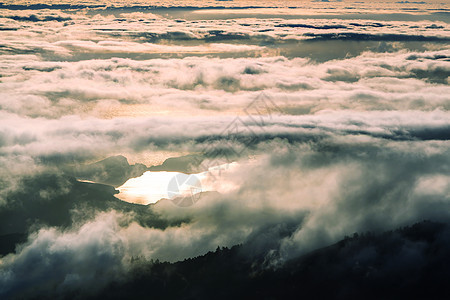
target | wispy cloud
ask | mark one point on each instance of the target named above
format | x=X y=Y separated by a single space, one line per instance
x=360 y=139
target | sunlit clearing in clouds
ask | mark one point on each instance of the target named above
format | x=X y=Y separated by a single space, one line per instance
x=154 y=186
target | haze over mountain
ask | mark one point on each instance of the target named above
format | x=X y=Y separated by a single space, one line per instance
x=305 y=122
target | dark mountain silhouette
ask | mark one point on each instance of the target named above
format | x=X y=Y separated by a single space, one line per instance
x=113 y=171
x=184 y=164
x=116 y=170
x=53 y=199
x=408 y=263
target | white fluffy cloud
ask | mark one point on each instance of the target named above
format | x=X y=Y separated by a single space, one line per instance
x=120 y=87
x=354 y=141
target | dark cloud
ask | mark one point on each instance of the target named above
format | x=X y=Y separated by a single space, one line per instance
x=34 y=18
x=312 y=26
x=415 y=2
x=374 y=37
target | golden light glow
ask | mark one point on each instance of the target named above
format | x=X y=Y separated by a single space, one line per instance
x=154 y=186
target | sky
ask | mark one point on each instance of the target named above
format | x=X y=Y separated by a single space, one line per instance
x=334 y=116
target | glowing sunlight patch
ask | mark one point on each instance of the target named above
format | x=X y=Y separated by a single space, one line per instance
x=154 y=186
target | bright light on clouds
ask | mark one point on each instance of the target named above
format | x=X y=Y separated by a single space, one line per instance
x=357 y=138
x=154 y=186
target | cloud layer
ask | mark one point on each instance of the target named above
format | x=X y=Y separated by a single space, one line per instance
x=338 y=124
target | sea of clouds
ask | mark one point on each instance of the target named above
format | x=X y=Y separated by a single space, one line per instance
x=359 y=139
